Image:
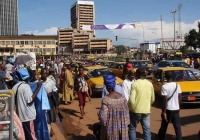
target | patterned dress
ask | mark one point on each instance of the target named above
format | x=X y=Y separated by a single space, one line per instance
x=114 y=117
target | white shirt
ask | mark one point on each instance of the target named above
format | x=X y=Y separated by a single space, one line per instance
x=168 y=90
x=50 y=86
x=126 y=86
x=60 y=66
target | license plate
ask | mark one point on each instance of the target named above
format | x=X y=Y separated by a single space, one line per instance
x=191 y=98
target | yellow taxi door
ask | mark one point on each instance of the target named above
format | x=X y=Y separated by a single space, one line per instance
x=157 y=81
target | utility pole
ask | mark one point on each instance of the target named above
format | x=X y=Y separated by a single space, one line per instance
x=174 y=13
x=161 y=31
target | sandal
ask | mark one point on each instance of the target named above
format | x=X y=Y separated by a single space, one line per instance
x=81 y=117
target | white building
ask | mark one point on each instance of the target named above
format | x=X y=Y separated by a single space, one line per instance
x=149 y=46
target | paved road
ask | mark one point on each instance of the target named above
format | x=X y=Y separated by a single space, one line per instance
x=81 y=129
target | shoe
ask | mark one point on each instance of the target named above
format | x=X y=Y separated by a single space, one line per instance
x=82 y=116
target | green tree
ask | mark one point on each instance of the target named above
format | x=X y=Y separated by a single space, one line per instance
x=183 y=49
x=141 y=54
x=120 y=49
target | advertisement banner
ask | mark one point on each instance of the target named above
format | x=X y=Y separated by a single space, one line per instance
x=111 y=26
x=5 y=100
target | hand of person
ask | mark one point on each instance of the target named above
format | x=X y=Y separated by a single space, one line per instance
x=164 y=116
x=39 y=84
x=49 y=94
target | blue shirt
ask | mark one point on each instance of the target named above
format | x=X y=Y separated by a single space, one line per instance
x=117 y=89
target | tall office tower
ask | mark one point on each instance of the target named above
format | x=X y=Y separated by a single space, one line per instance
x=82 y=13
x=8 y=17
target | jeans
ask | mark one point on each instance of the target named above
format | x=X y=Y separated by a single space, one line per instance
x=172 y=116
x=144 y=119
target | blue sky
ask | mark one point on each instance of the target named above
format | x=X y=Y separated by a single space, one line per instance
x=44 y=16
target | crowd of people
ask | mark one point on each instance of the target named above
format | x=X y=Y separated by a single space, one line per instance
x=123 y=107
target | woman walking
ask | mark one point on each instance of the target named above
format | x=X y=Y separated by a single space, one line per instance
x=114 y=113
x=83 y=89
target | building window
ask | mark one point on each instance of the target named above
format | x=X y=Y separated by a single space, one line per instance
x=21 y=42
x=1 y=42
x=39 y=42
x=7 y=50
x=12 y=42
x=44 y=49
x=35 y=42
x=53 y=42
x=17 y=50
x=48 y=49
x=30 y=42
x=31 y=50
x=53 y=49
x=17 y=42
x=7 y=42
x=35 y=50
x=48 y=42
x=44 y=42
x=40 y=49
x=26 y=42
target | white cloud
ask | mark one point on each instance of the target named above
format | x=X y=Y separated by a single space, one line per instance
x=149 y=27
x=49 y=31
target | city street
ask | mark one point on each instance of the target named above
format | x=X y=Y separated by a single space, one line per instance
x=75 y=128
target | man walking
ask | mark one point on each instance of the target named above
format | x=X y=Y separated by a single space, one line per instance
x=68 y=86
x=171 y=93
x=126 y=85
x=141 y=98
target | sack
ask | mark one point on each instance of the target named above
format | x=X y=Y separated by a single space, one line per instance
x=84 y=89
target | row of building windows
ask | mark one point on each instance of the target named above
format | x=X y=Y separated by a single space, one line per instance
x=42 y=42
x=36 y=50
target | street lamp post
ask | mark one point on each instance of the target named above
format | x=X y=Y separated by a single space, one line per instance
x=142 y=29
x=157 y=41
x=174 y=13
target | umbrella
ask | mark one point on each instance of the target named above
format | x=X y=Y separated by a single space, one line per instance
x=25 y=59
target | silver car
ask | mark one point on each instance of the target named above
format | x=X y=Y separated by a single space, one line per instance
x=175 y=63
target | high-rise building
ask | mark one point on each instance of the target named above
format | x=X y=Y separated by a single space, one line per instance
x=82 y=13
x=8 y=17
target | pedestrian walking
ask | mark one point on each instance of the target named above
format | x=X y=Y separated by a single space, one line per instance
x=126 y=85
x=114 y=113
x=140 y=101
x=171 y=93
x=82 y=89
x=68 y=86
x=127 y=66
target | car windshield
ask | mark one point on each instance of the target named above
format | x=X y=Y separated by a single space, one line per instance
x=145 y=63
x=99 y=72
x=180 y=64
x=182 y=75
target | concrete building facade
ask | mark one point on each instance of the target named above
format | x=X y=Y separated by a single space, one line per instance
x=150 y=46
x=41 y=45
x=8 y=17
x=82 y=13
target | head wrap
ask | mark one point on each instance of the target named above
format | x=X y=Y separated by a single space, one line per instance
x=109 y=80
x=21 y=75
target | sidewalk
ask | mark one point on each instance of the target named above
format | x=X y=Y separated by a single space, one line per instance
x=79 y=129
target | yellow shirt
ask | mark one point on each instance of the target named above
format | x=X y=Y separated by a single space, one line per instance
x=188 y=61
x=198 y=60
x=142 y=96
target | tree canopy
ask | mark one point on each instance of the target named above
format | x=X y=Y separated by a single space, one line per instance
x=193 y=38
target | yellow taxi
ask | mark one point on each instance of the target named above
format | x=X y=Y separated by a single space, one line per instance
x=117 y=68
x=187 y=80
x=95 y=74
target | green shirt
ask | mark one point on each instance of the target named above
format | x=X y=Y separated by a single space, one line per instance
x=142 y=96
